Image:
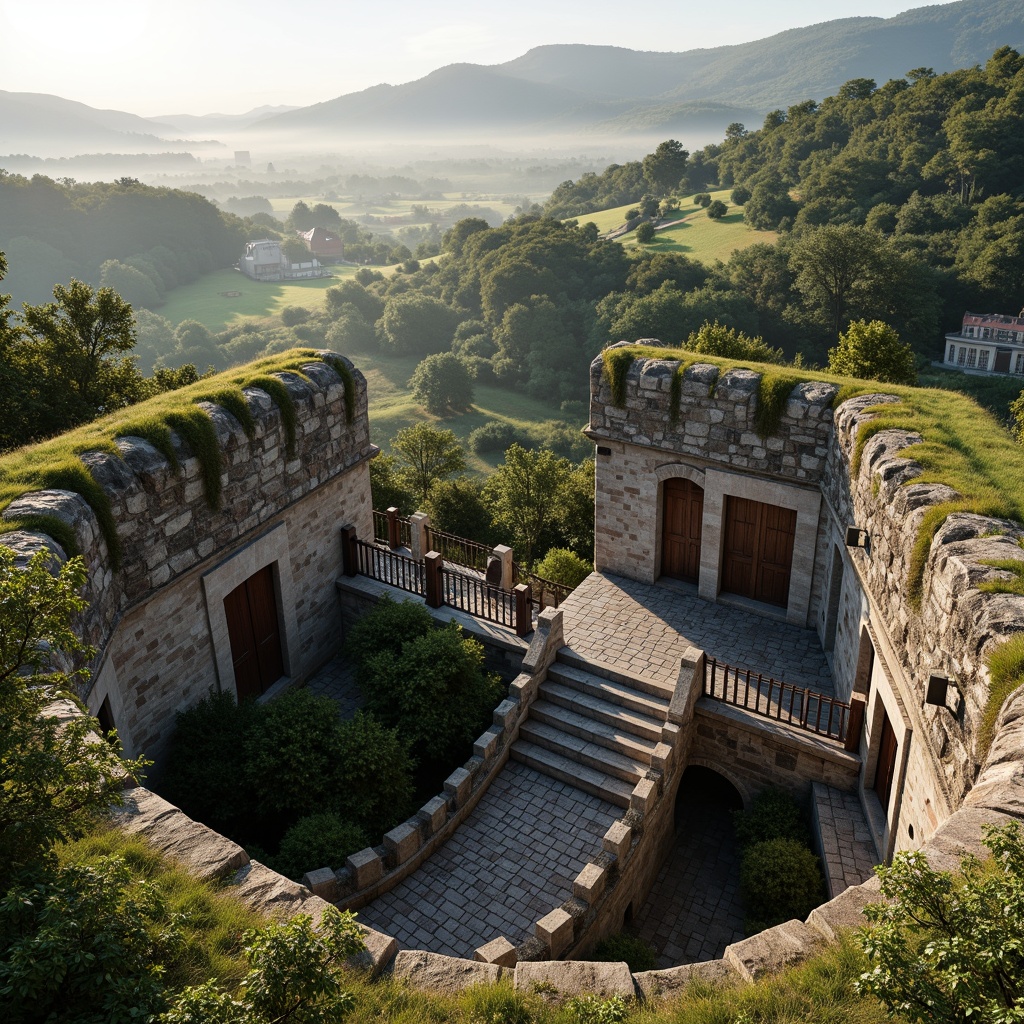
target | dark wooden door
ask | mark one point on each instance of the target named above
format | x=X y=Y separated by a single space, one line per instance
x=1002 y=364
x=683 y=515
x=757 y=557
x=887 y=748
x=251 y=611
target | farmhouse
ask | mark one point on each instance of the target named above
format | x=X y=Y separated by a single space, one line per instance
x=325 y=245
x=779 y=597
x=987 y=342
x=264 y=261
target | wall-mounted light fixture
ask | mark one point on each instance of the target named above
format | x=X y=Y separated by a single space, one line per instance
x=943 y=692
x=856 y=537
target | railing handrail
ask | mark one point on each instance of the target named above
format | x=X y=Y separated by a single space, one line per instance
x=460 y=550
x=478 y=597
x=391 y=567
x=782 y=701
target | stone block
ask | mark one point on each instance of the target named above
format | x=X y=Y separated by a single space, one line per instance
x=670 y=982
x=773 y=949
x=446 y=974
x=670 y=733
x=661 y=756
x=577 y=978
x=366 y=866
x=322 y=882
x=505 y=714
x=555 y=931
x=498 y=951
x=206 y=854
x=842 y=912
x=486 y=745
x=643 y=797
x=590 y=883
x=617 y=839
x=458 y=786
x=434 y=813
x=380 y=951
x=402 y=842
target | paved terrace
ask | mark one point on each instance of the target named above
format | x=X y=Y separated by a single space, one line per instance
x=644 y=629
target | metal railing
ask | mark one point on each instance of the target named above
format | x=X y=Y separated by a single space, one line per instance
x=392 y=529
x=794 y=705
x=544 y=593
x=477 y=597
x=388 y=566
x=459 y=550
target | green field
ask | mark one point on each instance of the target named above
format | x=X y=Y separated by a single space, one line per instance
x=381 y=207
x=692 y=233
x=202 y=300
x=392 y=407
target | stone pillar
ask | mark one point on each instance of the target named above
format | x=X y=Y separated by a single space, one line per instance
x=419 y=543
x=504 y=552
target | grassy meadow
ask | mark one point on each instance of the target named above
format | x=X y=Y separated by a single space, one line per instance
x=202 y=300
x=692 y=232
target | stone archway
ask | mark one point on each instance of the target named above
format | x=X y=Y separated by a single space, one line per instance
x=693 y=910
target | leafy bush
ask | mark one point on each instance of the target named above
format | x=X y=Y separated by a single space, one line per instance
x=645 y=233
x=702 y=199
x=426 y=681
x=779 y=880
x=496 y=436
x=563 y=566
x=317 y=841
x=568 y=442
x=773 y=814
x=594 y=1010
x=639 y=955
x=717 y=209
x=740 y=194
x=292 y=315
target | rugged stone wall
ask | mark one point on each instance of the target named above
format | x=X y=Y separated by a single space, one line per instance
x=151 y=621
x=956 y=625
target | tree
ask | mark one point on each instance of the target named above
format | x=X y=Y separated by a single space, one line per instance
x=645 y=233
x=945 y=949
x=295 y=251
x=75 y=343
x=873 y=350
x=55 y=774
x=717 y=340
x=416 y=324
x=665 y=167
x=523 y=494
x=426 y=454
x=1017 y=413
x=740 y=194
x=443 y=383
x=560 y=565
x=717 y=209
x=195 y=343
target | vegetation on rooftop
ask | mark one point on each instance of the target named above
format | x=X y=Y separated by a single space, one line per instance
x=962 y=445
x=56 y=463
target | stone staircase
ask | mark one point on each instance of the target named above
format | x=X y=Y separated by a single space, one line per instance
x=593 y=727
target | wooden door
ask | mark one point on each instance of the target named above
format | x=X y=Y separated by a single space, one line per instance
x=682 y=519
x=251 y=610
x=886 y=769
x=757 y=558
x=1002 y=363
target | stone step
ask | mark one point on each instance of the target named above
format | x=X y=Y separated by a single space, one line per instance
x=591 y=781
x=610 y=690
x=639 y=748
x=578 y=749
x=656 y=687
x=590 y=706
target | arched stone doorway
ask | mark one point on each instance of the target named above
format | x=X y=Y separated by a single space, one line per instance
x=693 y=910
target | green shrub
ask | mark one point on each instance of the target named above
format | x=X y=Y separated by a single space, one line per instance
x=317 y=841
x=430 y=686
x=594 y=1010
x=560 y=565
x=639 y=955
x=702 y=199
x=773 y=814
x=779 y=880
x=385 y=629
x=292 y=315
x=496 y=436
x=201 y=773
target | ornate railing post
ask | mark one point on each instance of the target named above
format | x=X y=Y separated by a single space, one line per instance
x=524 y=613
x=433 y=587
x=394 y=531
x=855 y=724
x=419 y=534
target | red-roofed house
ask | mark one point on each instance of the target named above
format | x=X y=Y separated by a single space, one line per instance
x=325 y=245
x=987 y=342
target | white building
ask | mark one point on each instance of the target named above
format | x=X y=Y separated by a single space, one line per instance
x=987 y=343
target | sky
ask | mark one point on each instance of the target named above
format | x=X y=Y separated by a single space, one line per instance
x=228 y=56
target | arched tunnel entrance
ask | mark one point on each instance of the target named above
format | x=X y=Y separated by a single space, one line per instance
x=693 y=910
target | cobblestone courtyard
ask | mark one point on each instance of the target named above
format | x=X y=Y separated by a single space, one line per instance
x=513 y=860
x=644 y=628
x=694 y=909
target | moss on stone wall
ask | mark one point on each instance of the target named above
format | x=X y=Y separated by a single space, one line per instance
x=962 y=445
x=1006 y=671
x=56 y=463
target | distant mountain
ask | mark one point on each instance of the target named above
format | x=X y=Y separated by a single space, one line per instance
x=45 y=125
x=617 y=90
x=207 y=124
x=564 y=90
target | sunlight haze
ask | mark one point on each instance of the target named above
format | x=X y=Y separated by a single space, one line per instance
x=201 y=57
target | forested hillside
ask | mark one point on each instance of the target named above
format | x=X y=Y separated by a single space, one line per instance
x=157 y=238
